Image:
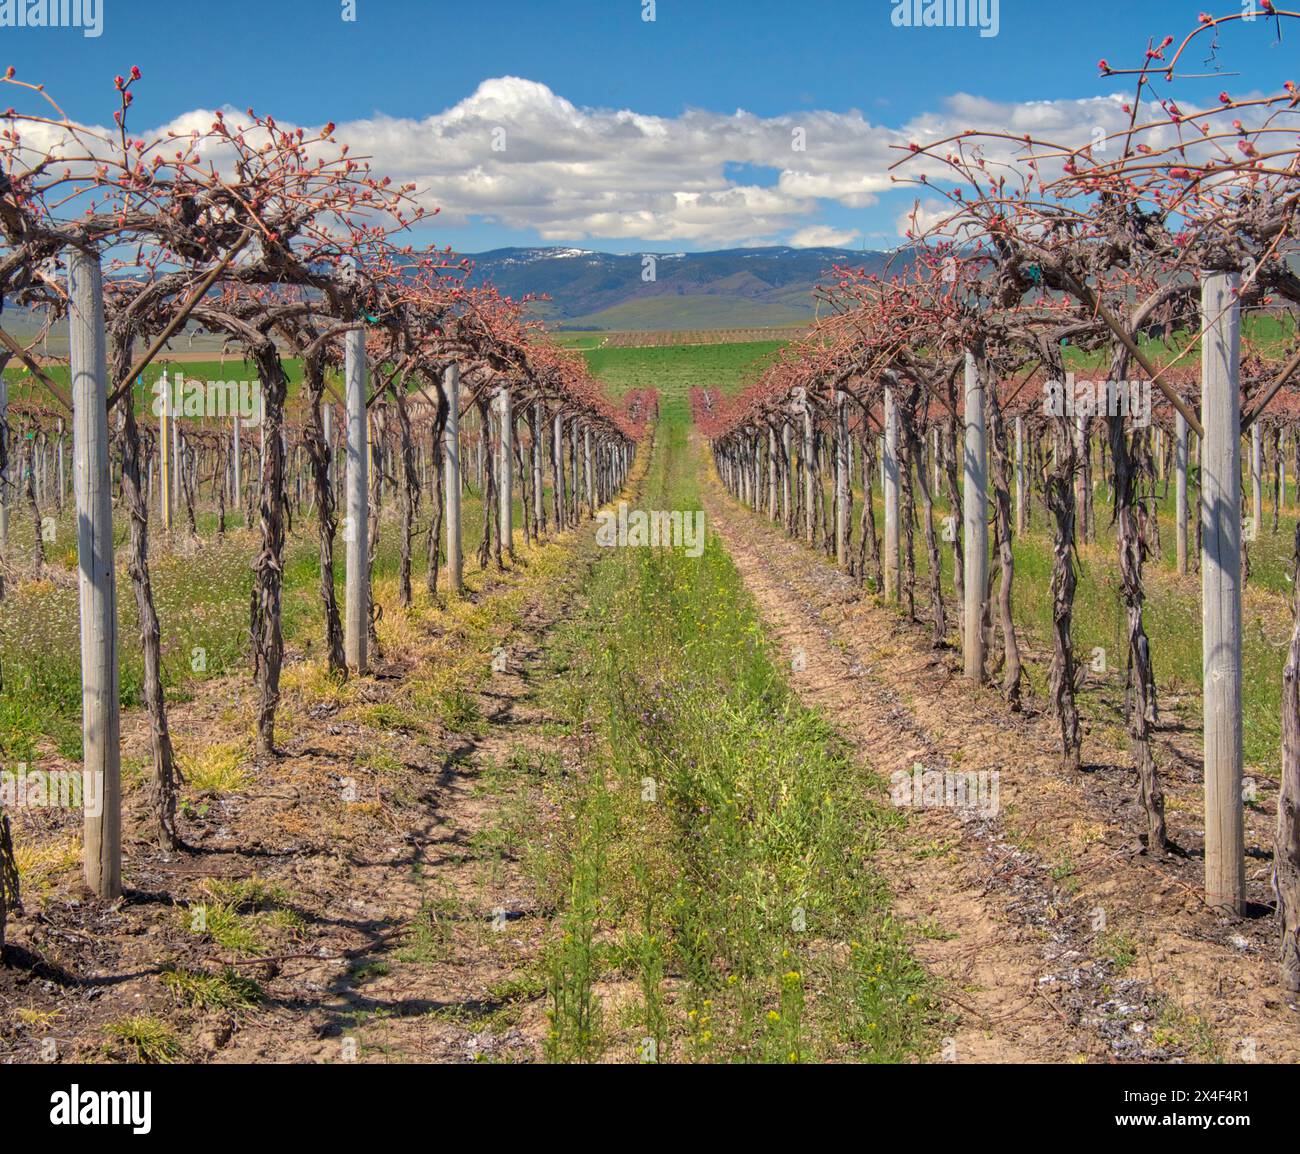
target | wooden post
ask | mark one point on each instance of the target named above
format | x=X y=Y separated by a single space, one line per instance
x=746 y=474
x=7 y=472
x=1221 y=588
x=889 y=473
x=934 y=459
x=177 y=479
x=1022 y=521
x=1256 y=480
x=1081 y=475
x=573 y=473
x=976 y=533
x=357 y=587
x=1282 y=438
x=842 y=473
x=100 y=721
x=1180 y=490
x=557 y=472
x=505 y=470
x=237 y=496
x=452 y=482
x=536 y=423
x=586 y=472
x=773 y=500
x=165 y=420
x=787 y=492
x=809 y=495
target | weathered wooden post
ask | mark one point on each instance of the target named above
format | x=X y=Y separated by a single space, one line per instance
x=451 y=456
x=178 y=477
x=1256 y=480
x=574 y=515
x=165 y=420
x=97 y=583
x=557 y=472
x=975 y=502
x=535 y=425
x=1180 y=490
x=357 y=537
x=773 y=501
x=934 y=459
x=62 y=475
x=7 y=471
x=842 y=474
x=586 y=473
x=889 y=473
x=1281 y=468
x=1082 y=475
x=808 y=463
x=787 y=492
x=753 y=454
x=238 y=495
x=506 y=470
x=1221 y=587
x=1022 y=520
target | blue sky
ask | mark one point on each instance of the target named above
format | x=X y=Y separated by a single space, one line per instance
x=694 y=177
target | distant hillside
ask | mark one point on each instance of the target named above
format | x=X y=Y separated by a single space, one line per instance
x=734 y=288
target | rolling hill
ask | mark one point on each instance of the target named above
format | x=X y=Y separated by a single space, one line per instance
x=731 y=288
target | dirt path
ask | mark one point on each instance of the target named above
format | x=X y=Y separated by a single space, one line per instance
x=367 y=880
x=1058 y=941
x=459 y=980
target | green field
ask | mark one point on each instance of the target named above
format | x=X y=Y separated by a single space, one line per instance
x=674 y=371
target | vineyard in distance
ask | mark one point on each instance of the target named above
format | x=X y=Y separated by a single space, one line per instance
x=392 y=674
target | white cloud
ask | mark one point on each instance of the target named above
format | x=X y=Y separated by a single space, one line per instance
x=824 y=236
x=516 y=153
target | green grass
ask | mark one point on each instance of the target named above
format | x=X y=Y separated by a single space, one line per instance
x=675 y=369
x=23 y=387
x=1172 y=614
x=745 y=868
x=696 y=313
x=144 y=1040
x=228 y=990
x=202 y=599
x=1267 y=333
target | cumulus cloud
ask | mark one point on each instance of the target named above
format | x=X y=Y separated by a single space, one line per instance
x=518 y=154
x=824 y=236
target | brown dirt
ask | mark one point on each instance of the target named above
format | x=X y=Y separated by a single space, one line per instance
x=1015 y=899
x=403 y=926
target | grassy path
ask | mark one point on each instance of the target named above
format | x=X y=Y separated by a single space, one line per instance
x=714 y=871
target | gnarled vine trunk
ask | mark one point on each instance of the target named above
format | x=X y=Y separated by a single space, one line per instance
x=1132 y=548
x=166 y=776
x=408 y=477
x=10 y=891
x=433 y=552
x=1286 y=847
x=1011 y=668
x=268 y=569
x=327 y=521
